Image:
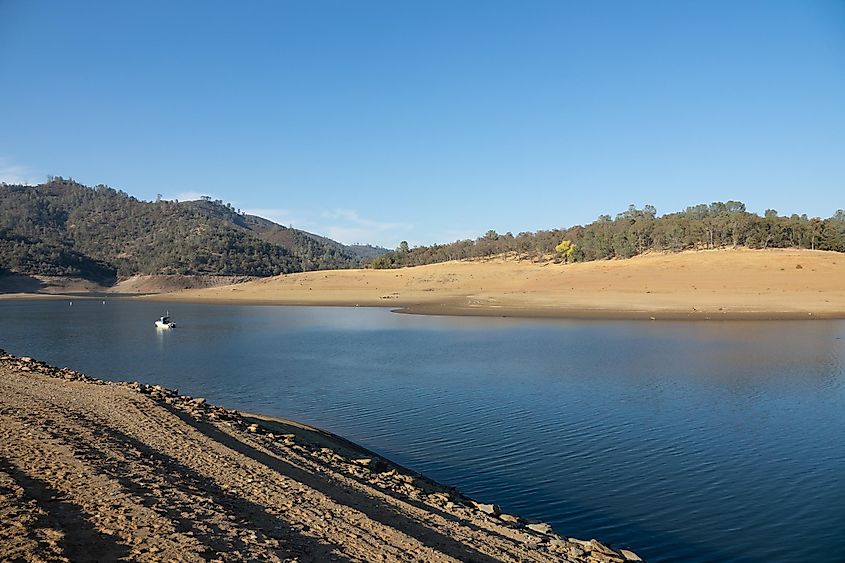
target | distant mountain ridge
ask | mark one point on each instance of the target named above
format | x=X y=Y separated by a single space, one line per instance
x=63 y=228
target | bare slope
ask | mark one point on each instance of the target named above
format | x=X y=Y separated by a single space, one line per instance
x=735 y=283
x=17 y=286
x=91 y=470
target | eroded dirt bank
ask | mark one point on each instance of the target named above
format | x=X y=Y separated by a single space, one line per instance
x=17 y=285
x=704 y=285
x=95 y=470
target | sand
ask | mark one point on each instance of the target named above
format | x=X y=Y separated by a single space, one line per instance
x=103 y=471
x=17 y=285
x=712 y=284
x=92 y=470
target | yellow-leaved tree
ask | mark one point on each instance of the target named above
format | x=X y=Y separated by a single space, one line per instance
x=565 y=250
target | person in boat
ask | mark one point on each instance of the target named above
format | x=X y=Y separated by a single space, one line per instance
x=165 y=322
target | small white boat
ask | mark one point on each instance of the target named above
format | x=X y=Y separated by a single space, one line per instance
x=165 y=323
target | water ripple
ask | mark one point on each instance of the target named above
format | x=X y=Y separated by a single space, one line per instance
x=685 y=441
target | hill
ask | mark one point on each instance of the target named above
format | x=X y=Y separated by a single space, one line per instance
x=637 y=231
x=707 y=284
x=63 y=228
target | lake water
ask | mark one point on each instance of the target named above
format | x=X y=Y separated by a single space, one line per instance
x=707 y=441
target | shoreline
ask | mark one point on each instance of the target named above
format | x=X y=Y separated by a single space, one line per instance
x=587 y=314
x=727 y=284
x=458 y=309
x=504 y=311
x=149 y=474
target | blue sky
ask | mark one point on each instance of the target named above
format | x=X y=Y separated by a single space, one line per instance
x=431 y=121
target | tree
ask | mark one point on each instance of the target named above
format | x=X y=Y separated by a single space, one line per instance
x=635 y=231
x=69 y=229
x=565 y=250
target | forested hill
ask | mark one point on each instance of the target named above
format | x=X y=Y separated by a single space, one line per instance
x=67 y=229
x=636 y=231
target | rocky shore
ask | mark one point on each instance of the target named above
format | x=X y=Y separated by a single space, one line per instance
x=101 y=470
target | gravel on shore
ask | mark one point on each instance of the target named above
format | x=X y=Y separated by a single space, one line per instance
x=94 y=470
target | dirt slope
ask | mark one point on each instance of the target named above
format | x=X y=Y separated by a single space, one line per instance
x=735 y=283
x=91 y=470
x=57 y=285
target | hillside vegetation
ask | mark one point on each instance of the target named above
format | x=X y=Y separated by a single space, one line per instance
x=636 y=231
x=63 y=228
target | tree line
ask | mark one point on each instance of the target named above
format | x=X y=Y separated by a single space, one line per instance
x=64 y=228
x=635 y=231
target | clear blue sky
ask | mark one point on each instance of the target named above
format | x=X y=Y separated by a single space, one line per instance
x=429 y=121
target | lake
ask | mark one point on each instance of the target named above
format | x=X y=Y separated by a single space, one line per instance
x=694 y=441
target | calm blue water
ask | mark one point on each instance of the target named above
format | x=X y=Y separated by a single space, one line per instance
x=684 y=441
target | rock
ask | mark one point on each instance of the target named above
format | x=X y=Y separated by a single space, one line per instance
x=558 y=544
x=364 y=461
x=439 y=497
x=252 y=428
x=532 y=542
x=629 y=555
x=574 y=552
x=491 y=509
x=198 y=401
x=599 y=547
x=540 y=527
x=379 y=466
x=509 y=518
x=27 y=359
x=598 y=557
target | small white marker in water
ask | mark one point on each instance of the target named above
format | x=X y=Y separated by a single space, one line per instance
x=71 y=303
x=104 y=302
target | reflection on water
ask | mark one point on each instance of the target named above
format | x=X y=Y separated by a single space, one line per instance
x=686 y=441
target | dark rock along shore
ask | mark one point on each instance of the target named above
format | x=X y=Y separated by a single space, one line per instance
x=324 y=454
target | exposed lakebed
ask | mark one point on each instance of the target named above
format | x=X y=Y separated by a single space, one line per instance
x=696 y=441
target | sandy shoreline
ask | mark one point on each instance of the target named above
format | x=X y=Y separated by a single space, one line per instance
x=705 y=285
x=726 y=284
x=99 y=470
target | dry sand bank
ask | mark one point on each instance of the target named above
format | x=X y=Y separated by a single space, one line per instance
x=16 y=286
x=94 y=470
x=725 y=284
